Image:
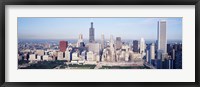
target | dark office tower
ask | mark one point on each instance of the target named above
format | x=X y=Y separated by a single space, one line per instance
x=135 y=46
x=63 y=45
x=91 y=34
x=118 y=43
x=82 y=44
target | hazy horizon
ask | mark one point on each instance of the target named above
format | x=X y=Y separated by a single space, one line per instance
x=70 y=28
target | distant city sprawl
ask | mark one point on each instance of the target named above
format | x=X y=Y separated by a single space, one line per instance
x=113 y=52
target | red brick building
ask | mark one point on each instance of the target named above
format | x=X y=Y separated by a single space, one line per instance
x=63 y=45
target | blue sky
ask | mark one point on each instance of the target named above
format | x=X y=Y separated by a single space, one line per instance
x=70 y=28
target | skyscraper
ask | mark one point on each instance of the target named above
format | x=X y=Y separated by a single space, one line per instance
x=162 y=40
x=135 y=46
x=118 y=43
x=94 y=47
x=91 y=34
x=112 y=48
x=173 y=54
x=148 y=59
x=162 y=36
x=80 y=39
x=102 y=41
x=152 y=51
x=63 y=45
x=142 y=45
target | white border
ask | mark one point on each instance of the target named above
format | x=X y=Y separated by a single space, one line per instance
x=187 y=74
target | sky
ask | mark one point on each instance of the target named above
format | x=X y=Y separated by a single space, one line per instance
x=70 y=28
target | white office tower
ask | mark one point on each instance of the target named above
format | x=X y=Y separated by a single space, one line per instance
x=75 y=56
x=112 y=49
x=60 y=55
x=152 y=51
x=104 y=55
x=67 y=55
x=118 y=53
x=126 y=56
x=112 y=43
x=102 y=41
x=94 y=47
x=45 y=57
x=90 y=56
x=32 y=57
x=142 y=46
x=80 y=39
x=122 y=56
x=162 y=39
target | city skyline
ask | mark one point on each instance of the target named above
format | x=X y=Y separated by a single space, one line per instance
x=58 y=28
x=109 y=54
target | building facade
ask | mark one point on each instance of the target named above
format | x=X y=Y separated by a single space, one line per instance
x=135 y=46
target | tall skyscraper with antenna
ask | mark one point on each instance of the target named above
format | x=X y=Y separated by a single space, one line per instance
x=91 y=34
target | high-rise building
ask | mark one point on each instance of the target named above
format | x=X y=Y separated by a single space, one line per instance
x=135 y=46
x=63 y=45
x=67 y=55
x=162 y=36
x=112 y=43
x=152 y=51
x=112 y=49
x=102 y=41
x=91 y=34
x=162 y=39
x=142 y=45
x=148 y=59
x=127 y=56
x=118 y=43
x=94 y=47
x=173 y=54
x=80 y=39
